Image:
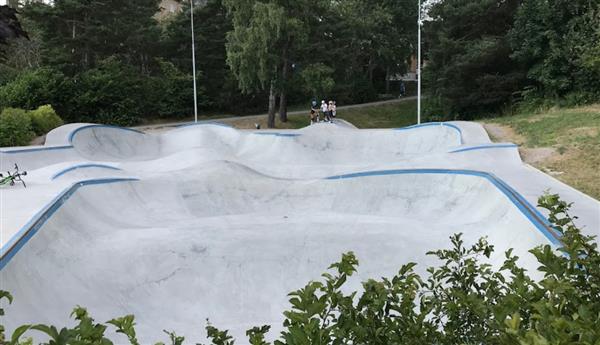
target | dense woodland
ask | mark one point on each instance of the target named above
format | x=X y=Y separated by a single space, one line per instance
x=114 y=62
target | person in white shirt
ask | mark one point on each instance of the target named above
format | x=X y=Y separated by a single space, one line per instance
x=325 y=111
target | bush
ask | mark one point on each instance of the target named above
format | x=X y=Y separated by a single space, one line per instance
x=176 y=97
x=15 y=128
x=34 y=88
x=44 y=119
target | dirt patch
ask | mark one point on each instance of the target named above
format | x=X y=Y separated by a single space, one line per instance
x=37 y=141
x=501 y=133
x=537 y=155
x=576 y=166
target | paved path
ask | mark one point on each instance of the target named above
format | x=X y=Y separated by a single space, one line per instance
x=163 y=126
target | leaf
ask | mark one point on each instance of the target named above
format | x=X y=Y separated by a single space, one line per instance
x=18 y=333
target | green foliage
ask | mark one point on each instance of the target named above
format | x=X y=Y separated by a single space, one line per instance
x=252 y=45
x=470 y=69
x=558 y=42
x=4 y=295
x=34 y=88
x=534 y=52
x=464 y=300
x=317 y=79
x=77 y=35
x=44 y=119
x=176 y=96
x=15 y=127
x=126 y=325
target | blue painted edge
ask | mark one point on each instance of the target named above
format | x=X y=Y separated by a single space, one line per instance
x=429 y=124
x=10 y=249
x=207 y=123
x=70 y=138
x=36 y=149
x=276 y=134
x=528 y=210
x=484 y=147
x=82 y=166
x=77 y=130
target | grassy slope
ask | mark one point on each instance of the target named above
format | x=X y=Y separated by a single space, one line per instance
x=570 y=139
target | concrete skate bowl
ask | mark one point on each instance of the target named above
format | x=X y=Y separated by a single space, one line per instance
x=313 y=145
x=108 y=143
x=227 y=243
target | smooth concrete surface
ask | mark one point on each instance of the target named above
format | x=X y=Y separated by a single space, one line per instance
x=206 y=221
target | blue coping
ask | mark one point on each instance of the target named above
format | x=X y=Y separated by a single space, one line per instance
x=36 y=149
x=528 y=210
x=70 y=138
x=429 y=124
x=204 y=123
x=82 y=166
x=484 y=147
x=276 y=134
x=10 y=249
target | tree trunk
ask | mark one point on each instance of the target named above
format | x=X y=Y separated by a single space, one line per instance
x=370 y=69
x=272 y=100
x=283 y=106
x=285 y=71
x=387 y=81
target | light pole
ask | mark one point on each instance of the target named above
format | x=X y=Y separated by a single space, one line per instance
x=419 y=68
x=194 y=61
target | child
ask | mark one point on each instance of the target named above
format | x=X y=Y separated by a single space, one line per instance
x=325 y=110
x=313 y=116
x=330 y=111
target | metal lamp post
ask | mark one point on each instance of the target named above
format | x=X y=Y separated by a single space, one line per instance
x=419 y=68
x=194 y=61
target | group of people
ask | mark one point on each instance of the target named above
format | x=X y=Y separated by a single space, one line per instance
x=327 y=110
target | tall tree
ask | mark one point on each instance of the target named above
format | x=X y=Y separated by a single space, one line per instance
x=251 y=47
x=556 y=40
x=470 y=68
x=211 y=25
x=77 y=34
x=268 y=37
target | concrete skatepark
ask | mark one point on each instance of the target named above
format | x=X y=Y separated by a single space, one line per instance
x=206 y=221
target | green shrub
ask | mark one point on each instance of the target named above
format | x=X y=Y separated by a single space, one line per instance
x=34 y=88
x=15 y=127
x=465 y=300
x=176 y=97
x=44 y=119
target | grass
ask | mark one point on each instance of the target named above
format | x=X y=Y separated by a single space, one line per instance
x=382 y=116
x=572 y=138
x=573 y=126
x=378 y=116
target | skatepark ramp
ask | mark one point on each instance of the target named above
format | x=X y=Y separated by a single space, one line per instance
x=211 y=222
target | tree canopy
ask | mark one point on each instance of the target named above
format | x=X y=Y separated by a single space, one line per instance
x=482 y=56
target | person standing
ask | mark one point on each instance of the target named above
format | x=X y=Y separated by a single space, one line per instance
x=325 y=111
x=314 y=110
x=334 y=110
